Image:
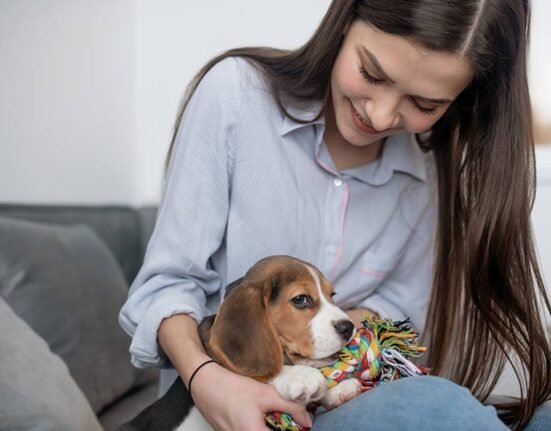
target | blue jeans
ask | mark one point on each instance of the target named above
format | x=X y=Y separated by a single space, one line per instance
x=541 y=421
x=420 y=403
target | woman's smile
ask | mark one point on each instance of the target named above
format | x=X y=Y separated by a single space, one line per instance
x=362 y=124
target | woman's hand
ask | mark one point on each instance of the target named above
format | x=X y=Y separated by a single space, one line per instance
x=230 y=402
x=359 y=314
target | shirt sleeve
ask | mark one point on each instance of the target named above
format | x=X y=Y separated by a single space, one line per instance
x=405 y=292
x=177 y=276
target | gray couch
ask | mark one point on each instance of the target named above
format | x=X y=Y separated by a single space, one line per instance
x=64 y=273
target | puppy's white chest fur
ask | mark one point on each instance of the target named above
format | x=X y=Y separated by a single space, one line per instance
x=194 y=422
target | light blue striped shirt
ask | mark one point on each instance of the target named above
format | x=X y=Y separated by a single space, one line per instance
x=246 y=182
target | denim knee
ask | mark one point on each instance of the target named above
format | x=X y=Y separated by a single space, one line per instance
x=413 y=403
x=541 y=421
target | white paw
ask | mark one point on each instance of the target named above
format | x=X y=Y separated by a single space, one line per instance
x=300 y=383
x=344 y=391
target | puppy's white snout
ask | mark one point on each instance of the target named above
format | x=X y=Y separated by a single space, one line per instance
x=344 y=328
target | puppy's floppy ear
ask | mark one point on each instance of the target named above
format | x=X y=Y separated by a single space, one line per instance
x=243 y=336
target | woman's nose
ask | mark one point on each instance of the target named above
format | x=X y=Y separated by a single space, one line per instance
x=383 y=113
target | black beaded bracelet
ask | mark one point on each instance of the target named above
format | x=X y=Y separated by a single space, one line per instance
x=195 y=372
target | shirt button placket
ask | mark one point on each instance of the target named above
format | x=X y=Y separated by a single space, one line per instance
x=333 y=224
x=331 y=250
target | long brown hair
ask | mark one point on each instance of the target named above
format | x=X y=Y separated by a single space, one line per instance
x=488 y=295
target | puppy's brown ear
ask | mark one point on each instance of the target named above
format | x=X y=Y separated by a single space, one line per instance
x=243 y=337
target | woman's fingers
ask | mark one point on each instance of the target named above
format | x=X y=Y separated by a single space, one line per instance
x=229 y=401
x=296 y=410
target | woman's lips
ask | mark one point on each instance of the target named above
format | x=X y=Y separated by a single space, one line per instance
x=359 y=123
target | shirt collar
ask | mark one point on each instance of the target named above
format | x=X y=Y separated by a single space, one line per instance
x=408 y=157
x=307 y=114
x=401 y=153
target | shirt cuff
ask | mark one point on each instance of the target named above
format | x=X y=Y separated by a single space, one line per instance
x=145 y=351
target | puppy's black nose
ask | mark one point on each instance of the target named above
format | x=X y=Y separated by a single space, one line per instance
x=344 y=329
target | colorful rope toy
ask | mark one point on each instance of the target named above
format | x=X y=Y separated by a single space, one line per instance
x=378 y=353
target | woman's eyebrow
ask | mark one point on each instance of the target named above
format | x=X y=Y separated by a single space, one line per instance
x=381 y=71
x=376 y=64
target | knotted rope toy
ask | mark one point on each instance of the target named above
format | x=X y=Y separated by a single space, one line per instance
x=378 y=353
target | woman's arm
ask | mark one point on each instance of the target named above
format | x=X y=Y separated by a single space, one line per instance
x=177 y=276
x=227 y=400
x=178 y=334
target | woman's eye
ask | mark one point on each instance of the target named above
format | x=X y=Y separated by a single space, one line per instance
x=369 y=78
x=427 y=111
x=301 y=301
x=376 y=81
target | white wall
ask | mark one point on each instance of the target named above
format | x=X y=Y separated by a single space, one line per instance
x=540 y=59
x=66 y=101
x=90 y=89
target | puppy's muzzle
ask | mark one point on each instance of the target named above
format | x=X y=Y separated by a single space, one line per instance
x=344 y=328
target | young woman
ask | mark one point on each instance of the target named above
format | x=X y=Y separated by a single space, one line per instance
x=394 y=151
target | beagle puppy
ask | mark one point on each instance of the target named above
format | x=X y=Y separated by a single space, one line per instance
x=276 y=325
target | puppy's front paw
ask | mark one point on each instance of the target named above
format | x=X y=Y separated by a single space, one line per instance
x=300 y=383
x=344 y=391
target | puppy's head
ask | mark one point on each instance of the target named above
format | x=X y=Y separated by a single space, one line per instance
x=282 y=307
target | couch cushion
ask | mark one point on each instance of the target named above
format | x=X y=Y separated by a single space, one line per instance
x=121 y=228
x=129 y=407
x=147 y=217
x=37 y=392
x=66 y=284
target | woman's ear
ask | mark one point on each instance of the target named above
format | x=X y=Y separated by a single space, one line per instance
x=243 y=337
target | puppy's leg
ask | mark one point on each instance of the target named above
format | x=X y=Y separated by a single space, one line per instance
x=164 y=414
x=344 y=391
x=300 y=383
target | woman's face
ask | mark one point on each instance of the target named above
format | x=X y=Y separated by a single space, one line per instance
x=382 y=84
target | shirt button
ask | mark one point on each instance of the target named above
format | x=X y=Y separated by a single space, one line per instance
x=331 y=249
x=337 y=182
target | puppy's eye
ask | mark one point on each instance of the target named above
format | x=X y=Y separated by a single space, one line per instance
x=301 y=301
x=333 y=294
